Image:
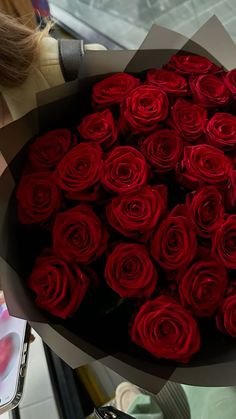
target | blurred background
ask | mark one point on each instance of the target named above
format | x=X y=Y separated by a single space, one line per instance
x=125 y=23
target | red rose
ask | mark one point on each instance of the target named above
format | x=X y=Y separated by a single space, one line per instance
x=38 y=198
x=130 y=271
x=209 y=91
x=206 y=210
x=78 y=235
x=163 y=150
x=174 y=245
x=168 y=81
x=124 y=169
x=59 y=288
x=47 y=151
x=192 y=64
x=229 y=79
x=79 y=172
x=99 y=128
x=111 y=90
x=188 y=119
x=203 y=253
x=136 y=214
x=226 y=317
x=202 y=288
x=221 y=131
x=142 y=109
x=166 y=330
x=203 y=164
x=224 y=243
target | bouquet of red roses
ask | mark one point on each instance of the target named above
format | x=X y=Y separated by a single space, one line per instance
x=139 y=195
x=118 y=211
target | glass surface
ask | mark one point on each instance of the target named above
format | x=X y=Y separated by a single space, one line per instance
x=127 y=21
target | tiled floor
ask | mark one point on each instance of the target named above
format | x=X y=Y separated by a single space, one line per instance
x=38 y=400
x=127 y=22
x=5 y=416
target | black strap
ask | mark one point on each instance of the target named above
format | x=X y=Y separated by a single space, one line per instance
x=71 y=53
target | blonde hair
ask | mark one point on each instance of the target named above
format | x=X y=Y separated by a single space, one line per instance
x=18 y=50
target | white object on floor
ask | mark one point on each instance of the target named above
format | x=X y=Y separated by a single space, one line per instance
x=171 y=402
x=131 y=399
x=126 y=393
x=38 y=399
